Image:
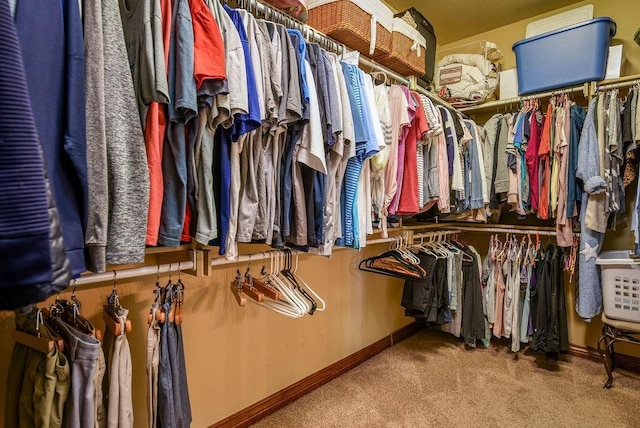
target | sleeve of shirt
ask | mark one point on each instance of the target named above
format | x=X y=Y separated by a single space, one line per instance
x=209 y=61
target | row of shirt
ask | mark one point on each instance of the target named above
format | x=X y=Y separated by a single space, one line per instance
x=607 y=165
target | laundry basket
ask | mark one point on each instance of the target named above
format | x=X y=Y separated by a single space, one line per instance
x=620 y=285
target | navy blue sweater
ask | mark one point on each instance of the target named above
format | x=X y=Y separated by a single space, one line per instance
x=25 y=261
x=51 y=41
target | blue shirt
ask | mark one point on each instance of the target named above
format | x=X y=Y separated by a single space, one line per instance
x=26 y=267
x=353 y=89
x=51 y=41
x=244 y=123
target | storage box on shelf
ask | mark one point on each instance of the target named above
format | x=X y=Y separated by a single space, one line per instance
x=564 y=57
x=467 y=75
x=364 y=25
x=620 y=285
x=408 y=49
x=425 y=28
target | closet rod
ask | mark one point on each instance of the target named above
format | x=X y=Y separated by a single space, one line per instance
x=310 y=33
x=374 y=66
x=135 y=272
x=618 y=85
x=411 y=82
x=436 y=99
x=523 y=231
x=517 y=100
x=184 y=266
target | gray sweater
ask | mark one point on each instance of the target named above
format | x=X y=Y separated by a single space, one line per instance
x=116 y=159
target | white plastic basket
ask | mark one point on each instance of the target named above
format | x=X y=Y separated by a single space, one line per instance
x=620 y=276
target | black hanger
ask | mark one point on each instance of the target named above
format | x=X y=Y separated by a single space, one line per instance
x=292 y=278
x=416 y=273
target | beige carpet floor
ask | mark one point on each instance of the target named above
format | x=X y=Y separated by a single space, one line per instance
x=431 y=380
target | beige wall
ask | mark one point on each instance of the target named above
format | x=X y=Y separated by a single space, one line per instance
x=624 y=12
x=238 y=356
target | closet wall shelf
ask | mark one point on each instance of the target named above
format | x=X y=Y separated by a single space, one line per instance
x=163 y=250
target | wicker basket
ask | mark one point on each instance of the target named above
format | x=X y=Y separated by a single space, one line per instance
x=351 y=23
x=407 y=50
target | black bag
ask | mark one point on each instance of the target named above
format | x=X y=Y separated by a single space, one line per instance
x=426 y=29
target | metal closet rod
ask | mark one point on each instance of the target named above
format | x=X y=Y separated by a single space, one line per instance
x=184 y=266
x=191 y=264
x=618 y=85
x=517 y=100
x=135 y=272
x=517 y=231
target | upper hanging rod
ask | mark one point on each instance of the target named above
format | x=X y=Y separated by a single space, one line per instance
x=524 y=230
x=518 y=100
x=622 y=82
x=135 y=272
x=270 y=13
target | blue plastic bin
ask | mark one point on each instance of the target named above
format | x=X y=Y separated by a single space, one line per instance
x=565 y=57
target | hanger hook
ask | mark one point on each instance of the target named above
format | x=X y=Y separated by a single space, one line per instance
x=74 y=284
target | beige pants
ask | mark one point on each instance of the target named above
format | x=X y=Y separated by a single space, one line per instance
x=118 y=378
x=153 y=361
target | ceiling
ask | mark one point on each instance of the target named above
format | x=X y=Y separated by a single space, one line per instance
x=453 y=20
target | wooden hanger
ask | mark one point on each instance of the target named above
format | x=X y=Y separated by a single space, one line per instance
x=248 y=287
x=35 y=340
x=110 y=313
x=179 y=294
x=154 y=311
x=237 y=289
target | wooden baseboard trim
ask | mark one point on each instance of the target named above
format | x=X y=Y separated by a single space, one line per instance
x=623 y=361
x=280 y=399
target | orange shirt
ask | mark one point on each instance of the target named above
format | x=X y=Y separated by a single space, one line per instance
x=208 y=49
x=155 y=127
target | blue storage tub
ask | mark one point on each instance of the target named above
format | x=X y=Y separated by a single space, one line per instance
x=566 y=57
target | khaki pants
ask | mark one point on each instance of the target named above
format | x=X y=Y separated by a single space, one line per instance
x=37 y=386
x=153 y=361
x=118 y=378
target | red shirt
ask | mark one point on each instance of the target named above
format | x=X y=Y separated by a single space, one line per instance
x=408 y=202
x=545 y=168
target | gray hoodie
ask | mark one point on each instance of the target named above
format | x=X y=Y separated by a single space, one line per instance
x=116 y=160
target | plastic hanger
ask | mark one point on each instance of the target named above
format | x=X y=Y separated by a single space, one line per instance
x=322 y=306
x=313 y=305
x=288 y=297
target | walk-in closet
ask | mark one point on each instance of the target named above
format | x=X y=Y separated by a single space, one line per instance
x=334 y=213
